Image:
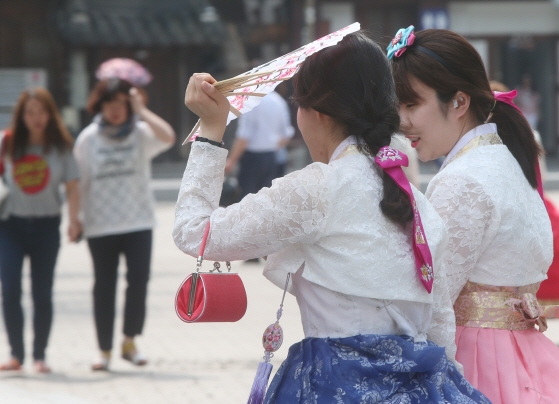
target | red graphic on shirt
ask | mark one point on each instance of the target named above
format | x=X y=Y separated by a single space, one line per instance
x=31 y=173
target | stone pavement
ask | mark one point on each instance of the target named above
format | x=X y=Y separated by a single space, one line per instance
x=189 y=363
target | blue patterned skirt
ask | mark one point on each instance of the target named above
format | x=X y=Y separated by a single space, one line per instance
x=369 y=369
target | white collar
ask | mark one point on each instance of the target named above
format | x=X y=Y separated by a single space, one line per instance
x=484 y=129
x=346 y=142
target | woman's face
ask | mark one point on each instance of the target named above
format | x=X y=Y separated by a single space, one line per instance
x=35 y=116
x=432 y=133
x=115 y=111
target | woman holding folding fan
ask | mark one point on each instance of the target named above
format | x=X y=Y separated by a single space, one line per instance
x=362 y=245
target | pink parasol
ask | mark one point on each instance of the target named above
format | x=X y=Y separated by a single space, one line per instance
x=245 y=91
x=125 y=69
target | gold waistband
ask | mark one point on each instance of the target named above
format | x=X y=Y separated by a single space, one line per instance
x=504 y=307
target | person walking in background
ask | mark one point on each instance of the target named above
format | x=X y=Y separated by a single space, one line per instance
x=114 y=154
x=282 y=155
x=528 y=101
x=261 y=134
x=37 y=159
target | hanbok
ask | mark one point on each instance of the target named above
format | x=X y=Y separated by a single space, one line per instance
x=500 y=248
x=372 y=331
x=548 y=293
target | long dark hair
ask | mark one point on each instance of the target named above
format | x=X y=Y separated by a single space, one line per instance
x=352 y=83
x=56 y=134
x=468 y=75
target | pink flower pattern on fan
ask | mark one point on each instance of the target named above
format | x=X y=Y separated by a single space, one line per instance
x=274 y=72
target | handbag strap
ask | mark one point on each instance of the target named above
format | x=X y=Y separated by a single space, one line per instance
x=202 y=248
x=201 y=254
x=204 y=240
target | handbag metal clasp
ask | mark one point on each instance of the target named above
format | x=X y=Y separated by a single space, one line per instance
x=196 y=276
x=193 y=284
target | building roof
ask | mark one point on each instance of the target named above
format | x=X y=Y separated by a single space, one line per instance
x=139 y=23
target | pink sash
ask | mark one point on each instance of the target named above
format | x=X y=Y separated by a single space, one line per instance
x=391 y=161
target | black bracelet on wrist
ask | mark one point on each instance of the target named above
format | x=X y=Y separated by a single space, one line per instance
x=212 y=142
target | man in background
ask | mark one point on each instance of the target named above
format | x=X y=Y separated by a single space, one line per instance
x=261 y=133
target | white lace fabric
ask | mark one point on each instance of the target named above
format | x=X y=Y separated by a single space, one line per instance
x=325 y=219
x=499 y=230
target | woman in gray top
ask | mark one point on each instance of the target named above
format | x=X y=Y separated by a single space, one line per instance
x=36 y=160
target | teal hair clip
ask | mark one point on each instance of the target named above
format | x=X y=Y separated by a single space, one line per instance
x=403 y=39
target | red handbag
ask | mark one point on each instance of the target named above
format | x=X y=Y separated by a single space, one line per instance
x=213 y=296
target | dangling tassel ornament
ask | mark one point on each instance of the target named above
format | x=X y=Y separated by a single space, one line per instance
x=271 y=340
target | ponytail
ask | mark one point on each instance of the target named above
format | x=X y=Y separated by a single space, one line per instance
x=517 y=135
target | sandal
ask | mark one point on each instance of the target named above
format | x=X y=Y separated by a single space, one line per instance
x=131 y=354
x=11 y=365
x=102 y=362
x=41 y=367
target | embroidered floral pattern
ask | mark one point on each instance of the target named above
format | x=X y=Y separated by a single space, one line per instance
x=427 y=272
x=389 y=153
x=505 y=307
x=272 y=338
x=336 y=371
x=419 y=239
x=482 y=140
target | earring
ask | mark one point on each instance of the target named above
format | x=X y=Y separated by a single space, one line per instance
x=455 y=102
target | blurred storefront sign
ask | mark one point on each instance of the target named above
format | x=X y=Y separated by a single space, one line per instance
x=434 y=18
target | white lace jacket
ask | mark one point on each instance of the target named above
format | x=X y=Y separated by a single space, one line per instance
x=499 y=229
x=327 y=217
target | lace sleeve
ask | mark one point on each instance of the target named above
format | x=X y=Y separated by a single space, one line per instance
x=470 y=218
x=291 y=211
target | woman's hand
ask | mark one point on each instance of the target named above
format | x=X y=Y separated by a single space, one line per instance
x=161 y=128
x=209 y=104
x=137 y=101
x=75 y=230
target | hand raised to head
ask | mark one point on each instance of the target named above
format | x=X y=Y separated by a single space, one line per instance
x=136 y=100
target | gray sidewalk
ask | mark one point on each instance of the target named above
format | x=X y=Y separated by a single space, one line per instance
x=189 y=363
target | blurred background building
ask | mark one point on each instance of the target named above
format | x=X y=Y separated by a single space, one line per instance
x=60 y=44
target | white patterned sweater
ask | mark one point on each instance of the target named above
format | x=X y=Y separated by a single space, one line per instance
x=115 y=192
x=499 y=230
x=354 y=269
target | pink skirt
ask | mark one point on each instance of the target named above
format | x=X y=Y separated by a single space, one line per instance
x=510 y=367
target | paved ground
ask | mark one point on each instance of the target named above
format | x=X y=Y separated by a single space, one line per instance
x=189 y=363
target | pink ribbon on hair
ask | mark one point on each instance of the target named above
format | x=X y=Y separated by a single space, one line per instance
x=507 y=98
x=391 y=161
